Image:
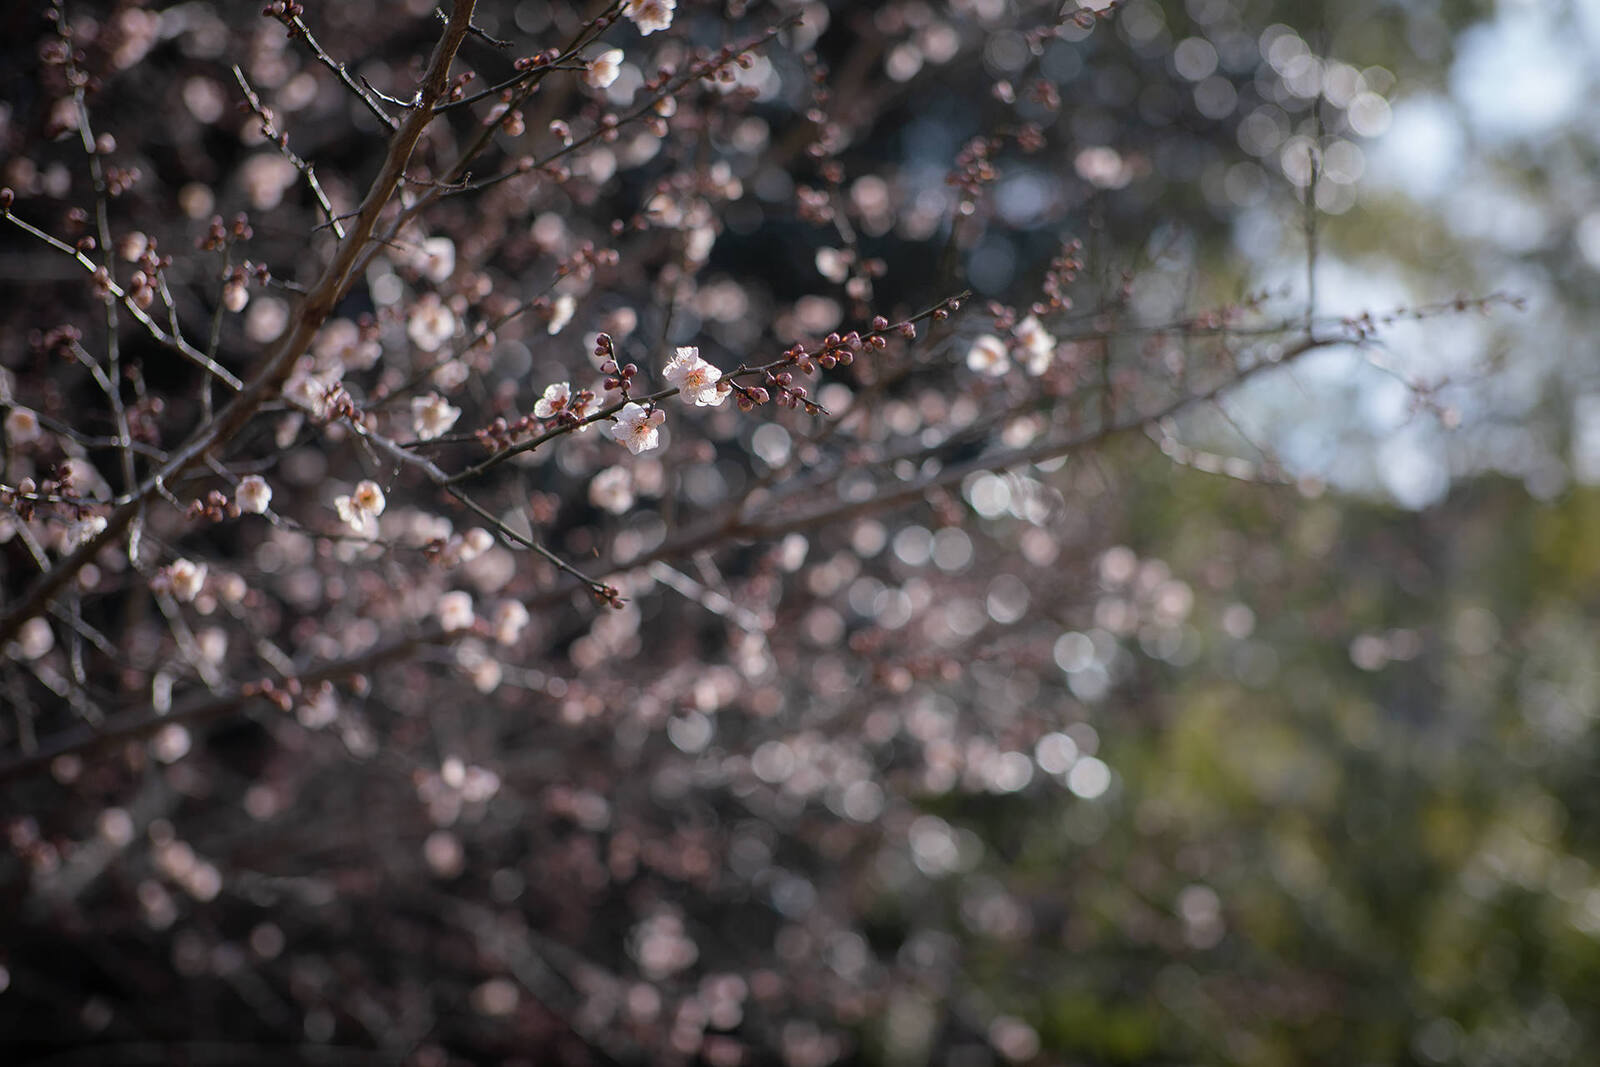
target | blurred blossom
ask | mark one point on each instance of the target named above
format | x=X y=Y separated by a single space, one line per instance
x=430 y=323
x=612 y=490
x=432 y=416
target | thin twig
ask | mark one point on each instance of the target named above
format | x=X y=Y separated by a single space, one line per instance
x=308 y=318
x=339 y=71
x=280 y=139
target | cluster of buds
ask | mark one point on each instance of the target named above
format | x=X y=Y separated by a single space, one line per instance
x=813 y=205
x=282 y=696
x=458 y=90
x=1064 y=270
x=974 y=169
x=120 y=180
x=619 y=378
x=58 y=341
x=541 y=59
x=582 y=263
x=217 y=234
x=214 y=508
x=285 y=11
x=56 y=489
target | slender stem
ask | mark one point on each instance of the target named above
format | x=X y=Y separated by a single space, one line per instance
x=307 y=319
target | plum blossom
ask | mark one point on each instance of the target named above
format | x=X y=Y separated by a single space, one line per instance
x=988 y=356
x=695 y=378
x=650 y=15
x=253 y=495
x=554 y=401
x=361 y=508
x=310 y=389
x=1037 y=343
x=612 y=490
x=561 y=313
x=431 y=323
x=833 y=264
x=435 y=257
x=604 y=68
x=509 y=619
x=638 y=428
x=185 y=578
x=22 y=426
x=432 y=416
x=454 y=610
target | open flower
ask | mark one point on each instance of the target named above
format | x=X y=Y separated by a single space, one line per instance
x=561 y=313
x=310 y=389
x=612 y=490
x=554 y=401
x=431 y=323
x=509 y=619
x=988 y=356
x=432 y=416
x=454 y=610
x=1038 y=344
x=695 y=378
x=361 y=508
x=650 y=15
x=604 y=68
x=638 y=428
x=22 y=426
x=253 y=495
x=185 y=578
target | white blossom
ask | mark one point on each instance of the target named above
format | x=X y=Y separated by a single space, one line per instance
x=554 y=401
x=695 y=378
x=603 y=70
x=310 y=390
x=254 y=495
x=650 y=15
x=361 y=508
x=185 y=578
x=561 y=313
x=637 y=428
x=36 y=639
x=450 y=375
x=509 y=619
x=22 y=426
x=84 y=530
x=464 y=548
x=988 y=356
x=612 y=490
x=432 y=416
x=476 y=542
x=431 y=323
x=1038 y=344
x=454 y=610
x=436 y=258
x=833 y=264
